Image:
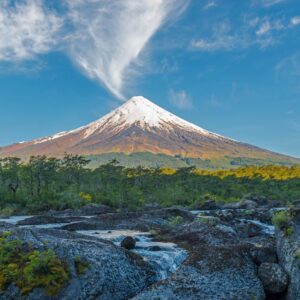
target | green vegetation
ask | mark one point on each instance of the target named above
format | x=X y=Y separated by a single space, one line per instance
x=175 y=220
x=282 y=221
x=297 y=254
x=27 y=268
x=150 y=160
x=44 y=183
x=81 y=265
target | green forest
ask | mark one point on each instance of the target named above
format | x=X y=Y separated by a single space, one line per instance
x=44 y=183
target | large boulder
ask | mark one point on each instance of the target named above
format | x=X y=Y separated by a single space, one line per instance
x=274 y=278
x=264 y=251
x=128 y=243
x=113 y=273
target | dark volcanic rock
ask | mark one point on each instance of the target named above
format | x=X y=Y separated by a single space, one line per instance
x=95 y=209
x=86 y=210
x=113 y=273
x=287 y=248
x=128 y=243
x=244 y=204
x=264 y=252
x=39 y=220
x=274 y=278
x=218 y=267
x=208 y=205
x=143 y=221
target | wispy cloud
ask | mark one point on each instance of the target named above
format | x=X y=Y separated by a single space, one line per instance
x=104 y=38
x=110 y=35
x=289 y=67
x=262 y=32
x=210 y=4
x=222 y=37
x=268 y=3
x=180 y=99
x=295 y=21
x=27 y=29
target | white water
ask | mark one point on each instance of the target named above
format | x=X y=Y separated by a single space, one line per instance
x=265 y=228
x=164 y=261
x=14 y=219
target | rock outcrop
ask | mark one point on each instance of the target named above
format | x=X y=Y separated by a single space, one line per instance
x=112 y=272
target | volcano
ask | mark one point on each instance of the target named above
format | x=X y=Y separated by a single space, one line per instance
x=140 y=126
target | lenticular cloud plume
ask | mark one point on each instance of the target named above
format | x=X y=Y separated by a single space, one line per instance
x=110 y=35
x=103 y=37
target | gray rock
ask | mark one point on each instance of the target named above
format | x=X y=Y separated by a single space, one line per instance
x=244 y=204
x=45 y=219
x=128 y=243
x=273 y=277
x=86 y=210
x=208 y=205
x=143 y=221
x=218 y=267
x=209 y=220
x=263 y=253
x=113 y=273
x=287 y=247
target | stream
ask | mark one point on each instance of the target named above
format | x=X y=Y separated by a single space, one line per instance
x=165 y=258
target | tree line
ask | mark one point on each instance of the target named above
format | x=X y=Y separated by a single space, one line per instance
x=44 y=183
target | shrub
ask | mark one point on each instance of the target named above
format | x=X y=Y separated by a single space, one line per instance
x=7 y=211
x=81 y=265
x=289 y=231
x=27 y=268
x=281 y=219
x=297 y=254
x=175 y=220
x=86 y=197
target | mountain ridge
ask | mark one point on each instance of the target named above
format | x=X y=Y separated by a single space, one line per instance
x=139 y=126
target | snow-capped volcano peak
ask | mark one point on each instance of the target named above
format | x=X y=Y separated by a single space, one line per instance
x=138 y=126
x=143 y=113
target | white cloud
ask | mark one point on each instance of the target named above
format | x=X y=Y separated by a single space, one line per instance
x=295 y=21
x=110 y=35
x=223 y=37
x=259 y=32
x=180 y=99
x=210 y=4
x=27 y=29
x=268 y=3
x=267 y=26
x=104 y=38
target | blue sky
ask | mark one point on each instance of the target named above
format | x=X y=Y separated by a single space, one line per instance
x=232 y=67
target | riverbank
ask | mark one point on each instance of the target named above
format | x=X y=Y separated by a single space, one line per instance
x=172 y=253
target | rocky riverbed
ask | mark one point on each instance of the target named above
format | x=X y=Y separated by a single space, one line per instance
x=228 y=252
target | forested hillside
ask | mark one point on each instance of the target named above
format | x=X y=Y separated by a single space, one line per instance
x=48 y=183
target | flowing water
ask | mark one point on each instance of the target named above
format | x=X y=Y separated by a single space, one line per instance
x=164 y=257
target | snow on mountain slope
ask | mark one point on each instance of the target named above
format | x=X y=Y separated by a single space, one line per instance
x=145 y=114
x=139 y=125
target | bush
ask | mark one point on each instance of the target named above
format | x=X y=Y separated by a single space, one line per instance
x=175 y=220
x=297 y=254
x=281 y=219
x=81 y=265
x=27 y=268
